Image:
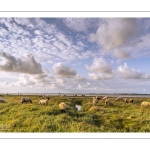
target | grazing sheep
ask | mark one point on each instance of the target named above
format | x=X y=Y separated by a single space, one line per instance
x=119 y=98
x=98 y=97
x=2 y=100
x=62 y=107
x=108 y=102
x=26 y=99
x=145 y=103
x=105 y=97
x=95 y=100
x=44 y=101
x=126 y=100
x=130 y=100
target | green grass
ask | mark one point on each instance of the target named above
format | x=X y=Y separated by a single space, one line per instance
x=32 y=117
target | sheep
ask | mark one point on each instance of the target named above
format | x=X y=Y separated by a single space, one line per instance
x=105 y=97
x=2 y=100
x=98 y=97
x=108 y=102
x=62 y=107
x=119 y=98
x=145 y=103
x=126 y=100
x=130 y=100
x=44 y=101
x=95 y=100
x=26 y=99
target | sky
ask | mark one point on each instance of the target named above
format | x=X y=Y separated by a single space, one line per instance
x=74 y=55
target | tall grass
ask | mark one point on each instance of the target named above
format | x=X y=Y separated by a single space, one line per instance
x=32 y=117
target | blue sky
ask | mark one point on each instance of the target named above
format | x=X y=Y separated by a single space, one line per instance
x=96 y=55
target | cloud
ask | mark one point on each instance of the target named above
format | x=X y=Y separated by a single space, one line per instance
x=121 y=54
x=95 y=76
x=25 y=80
x=21 y=65
x=99 y=76
x=63 y=71
x=128 y=73
x=79 y=78
x=102 y=70
x=76 y=23
x=100 y=66
x=116 y=33
x=82 y=24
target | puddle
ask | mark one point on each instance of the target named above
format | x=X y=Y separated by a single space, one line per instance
x=78 y=107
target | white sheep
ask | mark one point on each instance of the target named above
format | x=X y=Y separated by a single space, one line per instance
x=26 y=99
x=95 y=100
x=145 y=103
x=105 y=97
x=62 y=107
x=2 y=100
x=119 y=98
x=108 y=102
x=126 y=100
x=44 y=101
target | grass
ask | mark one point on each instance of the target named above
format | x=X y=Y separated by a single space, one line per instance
x=32 y=117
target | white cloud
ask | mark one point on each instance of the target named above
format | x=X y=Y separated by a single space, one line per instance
x=121 y=54
x=63 y=71
x=23 y=65
x=76 y=23
x=99 y=76
x=117 y=33
x=95 y=76
x=82 y=24
x=128 y=73
x=100 y=66
x=79 y=78
x=24 y=21
x=25 y=80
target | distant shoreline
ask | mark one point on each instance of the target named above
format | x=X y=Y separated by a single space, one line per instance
x=80 y=94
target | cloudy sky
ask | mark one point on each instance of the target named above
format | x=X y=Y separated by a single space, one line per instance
x=83 y=55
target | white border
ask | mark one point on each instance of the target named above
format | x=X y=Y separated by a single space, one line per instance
x=76 y=14
x=72 y=135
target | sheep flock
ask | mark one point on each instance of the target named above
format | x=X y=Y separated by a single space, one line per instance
x=96 y=101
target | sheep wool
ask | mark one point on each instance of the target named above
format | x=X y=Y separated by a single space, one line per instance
x=145 y=103
x=2 y=100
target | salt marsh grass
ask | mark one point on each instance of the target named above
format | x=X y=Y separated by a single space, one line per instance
x=32 y=117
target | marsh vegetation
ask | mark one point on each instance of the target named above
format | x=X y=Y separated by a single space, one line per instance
x=32 y=117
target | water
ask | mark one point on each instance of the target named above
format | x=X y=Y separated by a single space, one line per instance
x=78 y=107
x=80 y=94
